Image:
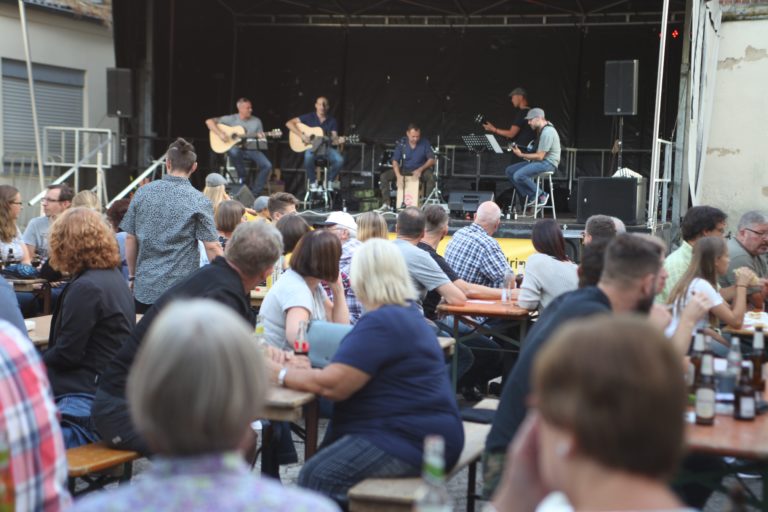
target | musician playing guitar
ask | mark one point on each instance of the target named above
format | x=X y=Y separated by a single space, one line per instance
x=253 y=128
x=519 y=132
x=321 y=118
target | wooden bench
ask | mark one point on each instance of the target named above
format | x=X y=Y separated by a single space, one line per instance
x=399 y=494
x=88 y=462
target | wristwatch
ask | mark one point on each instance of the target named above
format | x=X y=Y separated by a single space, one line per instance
x=281 y=376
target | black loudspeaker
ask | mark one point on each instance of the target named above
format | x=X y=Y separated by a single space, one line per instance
x=621 y=87
x=618 y=197
x=242 y=194
x=467 y=201
x=119 y=92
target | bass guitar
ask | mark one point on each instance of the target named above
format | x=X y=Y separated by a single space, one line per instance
x=316 y=137
x=235 y=135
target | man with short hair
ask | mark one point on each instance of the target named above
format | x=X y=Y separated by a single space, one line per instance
x=545 y=158
x=281 y=204
x=631 y=275
x=250 y=256
x=474 y=254
x=698 y=222
x=413 y=156
x=749 y=249
x=253 y=129
x=520 y=132
x=424 y=271
x=319 y=118
x=599 y=227
x=343 y=225
x=164 y=222
x=56 y=200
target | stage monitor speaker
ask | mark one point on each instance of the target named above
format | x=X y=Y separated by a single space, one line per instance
x=467 y=201
x=621 y=87
x=242 y=194
x=618 y=197
x=119 y=92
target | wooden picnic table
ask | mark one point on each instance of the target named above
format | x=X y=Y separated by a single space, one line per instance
x=40 y=287
x=489 y=308
x=751 y=320
x=257 y=296
x=41 y=330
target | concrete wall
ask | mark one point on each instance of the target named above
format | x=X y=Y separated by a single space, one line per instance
x=60 y=40
x=735 y=176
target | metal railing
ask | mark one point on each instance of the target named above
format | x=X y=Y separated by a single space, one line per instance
x=135 y=183
x=659 y=210
x=64 y=145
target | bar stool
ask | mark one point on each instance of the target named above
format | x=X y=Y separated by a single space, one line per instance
x=549 y=204
x=321 y=168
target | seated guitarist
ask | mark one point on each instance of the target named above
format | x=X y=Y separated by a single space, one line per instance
x=238 y=155
x=321 y=118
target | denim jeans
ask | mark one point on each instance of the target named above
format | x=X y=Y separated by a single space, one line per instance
x=76 y=425
x=238 y=157
x=334 y=158
x=351 y=459
x=520 y=175
x=486 y=359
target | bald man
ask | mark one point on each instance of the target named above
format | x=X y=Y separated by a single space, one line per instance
x=474 y=254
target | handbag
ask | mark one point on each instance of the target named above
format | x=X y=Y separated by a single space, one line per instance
x=324 y=340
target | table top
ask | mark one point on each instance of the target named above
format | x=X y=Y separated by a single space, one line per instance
x=751 y=320
x=285 y=404
x=730 y=437
x=489 y=308
x=42 y=329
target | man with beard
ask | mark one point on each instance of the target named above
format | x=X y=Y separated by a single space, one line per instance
x=633 y=271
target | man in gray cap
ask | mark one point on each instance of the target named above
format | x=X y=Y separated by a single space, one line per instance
x=519 y=133
x=545 y=158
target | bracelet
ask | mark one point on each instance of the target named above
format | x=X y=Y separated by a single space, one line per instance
x=131 y=278
x=281 y=376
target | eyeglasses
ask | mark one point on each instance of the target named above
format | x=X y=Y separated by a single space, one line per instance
x=49 y=200
x=18 y=203
x=763 y=234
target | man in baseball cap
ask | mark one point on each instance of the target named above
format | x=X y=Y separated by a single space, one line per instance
x=545 y=158
x=519 y=133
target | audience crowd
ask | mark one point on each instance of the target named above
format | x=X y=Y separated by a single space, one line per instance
x=152 y=347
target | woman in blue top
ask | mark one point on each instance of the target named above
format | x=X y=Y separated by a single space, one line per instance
x=389 y=383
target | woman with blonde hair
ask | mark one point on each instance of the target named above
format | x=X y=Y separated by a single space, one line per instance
x=87 y=199
x=11 y=245
x=93 y=315
x=196 y=385
x=371 y=225
x=388 y=382
x=606 y=425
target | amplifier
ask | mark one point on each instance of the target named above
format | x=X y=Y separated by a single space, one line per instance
x=624 y=198
x=467 y=201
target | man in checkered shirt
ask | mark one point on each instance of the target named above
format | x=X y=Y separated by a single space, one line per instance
x=28 y=419
x=474 y=254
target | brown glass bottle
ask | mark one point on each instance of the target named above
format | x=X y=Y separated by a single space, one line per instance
x=694 y=365
x=744 y=396
x=705 y=392
x=758 y=357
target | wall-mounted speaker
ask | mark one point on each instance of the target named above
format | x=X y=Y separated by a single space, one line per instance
x=621 y=87
x=119 y=92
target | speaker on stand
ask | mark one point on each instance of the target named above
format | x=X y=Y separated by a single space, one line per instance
x=620 y=94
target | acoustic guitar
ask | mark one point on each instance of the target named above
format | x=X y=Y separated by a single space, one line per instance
x=235 y=134
x=316 y=137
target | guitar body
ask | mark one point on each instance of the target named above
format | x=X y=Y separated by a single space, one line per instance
x=297 y=144
x=234 y=133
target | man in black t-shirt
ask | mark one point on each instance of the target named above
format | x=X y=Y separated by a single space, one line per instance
x=519 y=133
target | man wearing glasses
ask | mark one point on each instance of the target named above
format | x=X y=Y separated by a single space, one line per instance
x=748 y=249
x=57 y=199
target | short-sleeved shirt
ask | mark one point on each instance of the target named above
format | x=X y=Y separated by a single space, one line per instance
x=37 y=234
x=408 y=396
x=526 y=135
x=740 y=257
x=549 y=142
x=412 y=158
x=425 y=273
x=581 y=303
x=477 y=257
x=545 y=279
x=252 y=125
x=328 y=126
x=675 y=264
x=433 y=297
x=12 y=249
x=699 y=287
x=167 y=217
x=290 y=291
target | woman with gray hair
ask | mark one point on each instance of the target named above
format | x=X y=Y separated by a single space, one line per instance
x=196 y=385
x=388 y=380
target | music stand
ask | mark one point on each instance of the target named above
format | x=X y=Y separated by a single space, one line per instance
x=480 y=143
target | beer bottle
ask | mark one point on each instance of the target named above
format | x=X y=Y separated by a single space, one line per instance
x=705 y=392
x=7 y=491
x=758 y=359
x=744 y=396
x=694 y=363
x=432 y=495
x=301 y=345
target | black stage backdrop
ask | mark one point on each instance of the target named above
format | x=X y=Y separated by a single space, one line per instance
x=380 y=79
